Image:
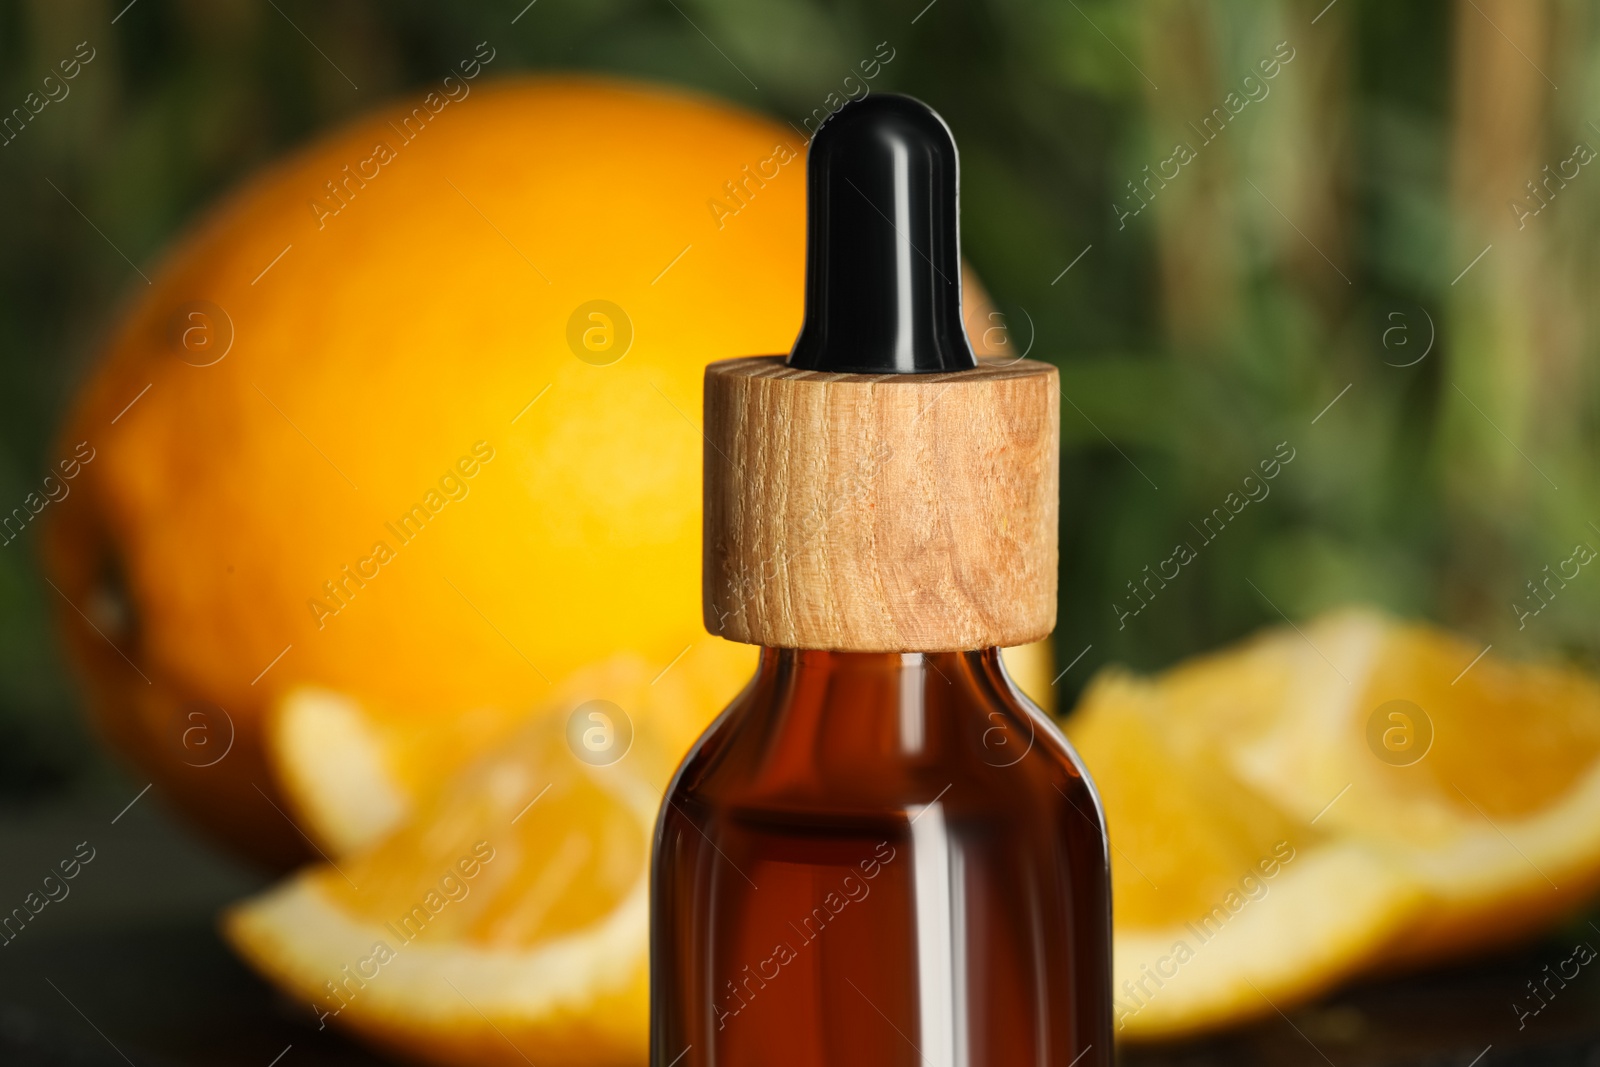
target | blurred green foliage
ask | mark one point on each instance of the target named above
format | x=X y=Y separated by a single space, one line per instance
x=1309 y=253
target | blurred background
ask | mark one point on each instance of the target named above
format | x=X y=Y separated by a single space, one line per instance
x=1361 y=260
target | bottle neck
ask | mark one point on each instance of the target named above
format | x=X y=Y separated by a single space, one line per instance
x=887 y=679
x=818 y=659
x=850 y=712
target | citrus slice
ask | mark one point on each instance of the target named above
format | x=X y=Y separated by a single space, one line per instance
x=351 y=772
x=351 y=775
x=1226 y=907
x=505 y=923
x=1481 y=775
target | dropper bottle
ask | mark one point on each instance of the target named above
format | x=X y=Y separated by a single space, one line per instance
x=881 y=853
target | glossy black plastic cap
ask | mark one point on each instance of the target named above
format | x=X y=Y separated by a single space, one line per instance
x=883 y=243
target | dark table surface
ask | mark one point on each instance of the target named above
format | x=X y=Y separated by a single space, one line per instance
x=128 y=969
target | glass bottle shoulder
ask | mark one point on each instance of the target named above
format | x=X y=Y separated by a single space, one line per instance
x=861 y=736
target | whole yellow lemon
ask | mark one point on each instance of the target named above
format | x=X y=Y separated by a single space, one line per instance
x=415 y=415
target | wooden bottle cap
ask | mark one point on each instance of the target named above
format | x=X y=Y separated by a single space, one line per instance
x=880 y=512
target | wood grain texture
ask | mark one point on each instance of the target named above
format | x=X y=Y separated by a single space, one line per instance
x=880 y=513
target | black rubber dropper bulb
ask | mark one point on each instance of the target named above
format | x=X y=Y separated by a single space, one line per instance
x=883 y=243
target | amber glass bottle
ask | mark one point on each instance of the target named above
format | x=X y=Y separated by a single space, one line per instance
x=881 y=853
x=881 y=858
